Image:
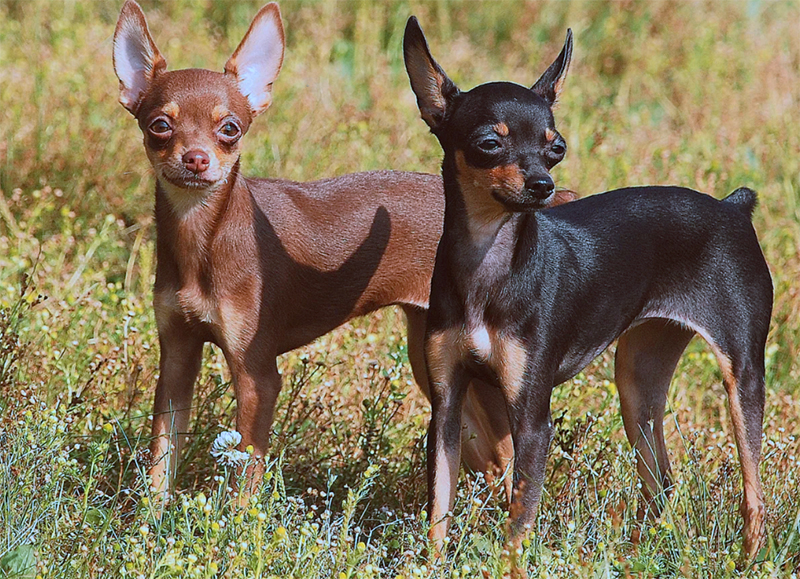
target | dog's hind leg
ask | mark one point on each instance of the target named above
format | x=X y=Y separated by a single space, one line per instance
x=740 y=353
x=739 y=348
x=486 y=443
x=415 y=339
x=645 y=361
x=744 y=381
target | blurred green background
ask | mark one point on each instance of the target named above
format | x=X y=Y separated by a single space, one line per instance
x=701 y=94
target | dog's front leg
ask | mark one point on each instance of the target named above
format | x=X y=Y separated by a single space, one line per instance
x=486 y=445
x=181 y=354
x=444 y=455
x=532 y=431
x=448 y=382
x=257 y=384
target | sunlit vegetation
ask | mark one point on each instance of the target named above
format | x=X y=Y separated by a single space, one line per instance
x=700 y=94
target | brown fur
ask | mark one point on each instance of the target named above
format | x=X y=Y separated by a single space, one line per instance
x=260 y=266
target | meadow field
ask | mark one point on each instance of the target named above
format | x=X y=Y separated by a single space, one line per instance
x=701 y=94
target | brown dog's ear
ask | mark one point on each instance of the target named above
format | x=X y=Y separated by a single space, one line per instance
x=259 y=57
x=552 y=81
x=433 y=88
x=137 y=60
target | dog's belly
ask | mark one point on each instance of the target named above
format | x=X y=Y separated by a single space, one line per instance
x=578 y=358
x=574 y=362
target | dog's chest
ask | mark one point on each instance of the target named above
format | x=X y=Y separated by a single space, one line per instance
x=189 y=304
x=500 y=352
x=197 y=306
x=224 y=313
x=479 y=342
x=498 y=357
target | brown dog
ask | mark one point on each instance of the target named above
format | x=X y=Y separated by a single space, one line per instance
x=257 y=266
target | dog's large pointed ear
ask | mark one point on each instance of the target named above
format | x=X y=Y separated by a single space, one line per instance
x=433 y=88
x=137 y=60
x=552 y=81
x=259 y=57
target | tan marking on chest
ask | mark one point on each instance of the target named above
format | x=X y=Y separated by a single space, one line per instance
x=506 y=356
x=511 y=365
x=443 y=350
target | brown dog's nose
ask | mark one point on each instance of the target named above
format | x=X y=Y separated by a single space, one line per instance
x=196 y=161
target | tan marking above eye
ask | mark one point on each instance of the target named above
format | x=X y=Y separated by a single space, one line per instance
x=171 y=109
x=219 y=112
x=501 y=129
x=550 y=135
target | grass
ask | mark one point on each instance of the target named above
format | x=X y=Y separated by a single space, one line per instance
x=699 y=94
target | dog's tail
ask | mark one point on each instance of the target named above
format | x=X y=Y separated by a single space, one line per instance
x=744 y=199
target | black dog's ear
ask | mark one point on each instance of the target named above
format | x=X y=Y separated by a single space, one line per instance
x=433 y=88
x=552 y=81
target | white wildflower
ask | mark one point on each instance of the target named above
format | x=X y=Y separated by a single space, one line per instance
x=224 y=449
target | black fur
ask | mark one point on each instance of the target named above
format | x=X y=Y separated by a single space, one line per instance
x=564 y=283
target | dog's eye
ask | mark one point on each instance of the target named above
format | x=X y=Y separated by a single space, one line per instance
x=230 y=131
x=489 y=145
x=558 y=148
x=160 y=128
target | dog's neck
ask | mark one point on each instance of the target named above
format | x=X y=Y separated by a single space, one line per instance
x=188 y=221
x=479 y=254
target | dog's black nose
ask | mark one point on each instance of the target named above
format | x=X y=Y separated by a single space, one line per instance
x=540 y=187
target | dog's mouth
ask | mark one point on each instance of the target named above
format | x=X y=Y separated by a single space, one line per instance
x=189 y=181
x=183 y=179
x=525 y=201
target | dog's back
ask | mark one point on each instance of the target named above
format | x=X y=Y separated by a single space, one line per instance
x=366 y=239
x=678 y=253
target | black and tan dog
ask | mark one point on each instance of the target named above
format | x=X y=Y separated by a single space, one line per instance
x=523 y=299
